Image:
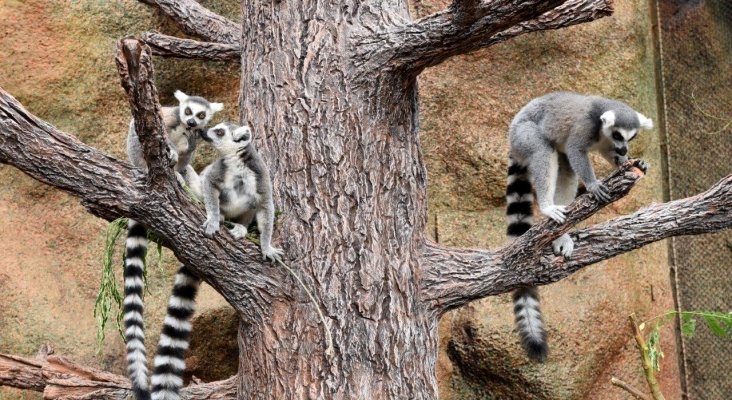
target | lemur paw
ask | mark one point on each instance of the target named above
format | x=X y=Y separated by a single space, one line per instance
x=563 y=246
x=272 y=253
x=642 y=165
x=238 y=231
x=557 y=213
x=599 y=190
x=210 y=227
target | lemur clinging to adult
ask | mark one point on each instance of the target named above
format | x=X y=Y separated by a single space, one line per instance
x=550 y=139
x=183 y=126
x=237 y=186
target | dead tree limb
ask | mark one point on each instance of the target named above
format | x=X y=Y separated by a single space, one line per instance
x=453 y=277
x=60 y=378
x=469 y=25
x=171 y=46
x=196 y=20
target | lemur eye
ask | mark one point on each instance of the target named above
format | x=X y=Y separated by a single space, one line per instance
x=219 y=132
x=201 y=115
x=617 y=136
x=188 y=111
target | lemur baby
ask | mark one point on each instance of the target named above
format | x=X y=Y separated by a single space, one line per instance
x=550 y=140
x=183 y=124
x=237 y=187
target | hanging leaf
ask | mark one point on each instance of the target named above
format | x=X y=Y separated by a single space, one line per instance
x=654 y=348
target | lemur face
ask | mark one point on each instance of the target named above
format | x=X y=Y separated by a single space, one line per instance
x=228 y=138
x=194 y=111
x=621 y=129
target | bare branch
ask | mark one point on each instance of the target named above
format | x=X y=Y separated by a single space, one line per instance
x=453 y=277
x=134 y=63
x=60 y=378
x=628 y=388
x=196 y=20
x=170 y=46
x=469 y=25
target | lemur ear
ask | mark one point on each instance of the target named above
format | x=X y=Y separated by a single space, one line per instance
x=216 y=107
x=180 y=96
x=645 y=123
x=608 y=119
x=241 y=132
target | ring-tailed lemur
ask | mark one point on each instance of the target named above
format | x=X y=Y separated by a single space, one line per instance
x=183 y=126
x=237 y=186
x=550 y=139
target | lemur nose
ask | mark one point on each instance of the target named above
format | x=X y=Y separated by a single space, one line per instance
x=621 y=150
x=191 y=122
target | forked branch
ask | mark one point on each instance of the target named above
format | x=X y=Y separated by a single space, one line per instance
x=110 y=189
x=453 y=277
x=196 y=20
x=171 y=46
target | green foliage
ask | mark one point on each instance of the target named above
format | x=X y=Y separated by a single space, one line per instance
x=718 y=322
x=108 y=292
x=654 y=349
x=109 y=296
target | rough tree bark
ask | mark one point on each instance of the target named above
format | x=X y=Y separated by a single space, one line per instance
x=331 y=96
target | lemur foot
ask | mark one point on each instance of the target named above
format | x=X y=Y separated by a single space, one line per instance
x=599 y=190
x=272 y=253
x=210 y=227
x=563 y=246
x=238 y=231
x=557 y=213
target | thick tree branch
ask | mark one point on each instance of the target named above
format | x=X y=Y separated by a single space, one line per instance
x=110 y=189
x=196 y=20
x=134 y=63
x=170 y=46
x=454 y=277
x=60 y=378
x=469 y=25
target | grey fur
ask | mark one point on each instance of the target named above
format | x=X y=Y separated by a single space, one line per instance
x=183 y=127
x=570 y=125
x=237 y=186
x=550 y=140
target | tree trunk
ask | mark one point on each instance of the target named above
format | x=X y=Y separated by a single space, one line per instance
x=344 y=154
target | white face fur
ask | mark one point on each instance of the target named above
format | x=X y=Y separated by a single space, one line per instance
x=621 y=135
x=193 y=113
x=226 y=141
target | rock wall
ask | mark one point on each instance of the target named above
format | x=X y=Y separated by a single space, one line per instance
x=58 y=61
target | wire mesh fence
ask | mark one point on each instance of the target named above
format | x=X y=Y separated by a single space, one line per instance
x=696 y=63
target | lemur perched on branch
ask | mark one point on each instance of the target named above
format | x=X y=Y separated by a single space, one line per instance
x=237 y=186
x=183 y=125
x=550 y=140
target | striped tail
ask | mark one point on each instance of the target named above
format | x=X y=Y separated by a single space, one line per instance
x=526 y=300
x=170 y=363
x=136 y=247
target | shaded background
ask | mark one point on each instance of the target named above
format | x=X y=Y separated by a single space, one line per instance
x=58 y=61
